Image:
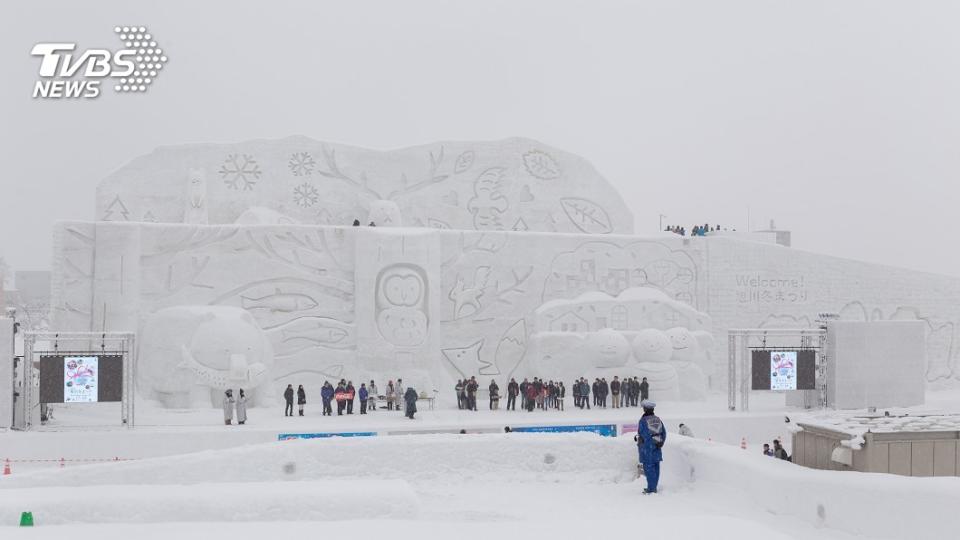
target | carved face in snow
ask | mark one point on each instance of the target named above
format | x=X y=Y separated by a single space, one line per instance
x=403 y=290
x=652 y=345
x=402 y=326
x=685 y=346
x=609 y=348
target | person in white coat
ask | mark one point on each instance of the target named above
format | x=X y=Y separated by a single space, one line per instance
x=401 y=391
x=391 y=395
x=685 y=430
x=372 y=389
x=241 y=408
x=228 y=402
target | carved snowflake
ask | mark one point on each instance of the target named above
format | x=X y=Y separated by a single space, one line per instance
x=301 y=164
x=240 y=172
x=305 y=195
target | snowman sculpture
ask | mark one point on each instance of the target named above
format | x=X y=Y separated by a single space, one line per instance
x=609 y=352
x=653 y=349
x=686 y=358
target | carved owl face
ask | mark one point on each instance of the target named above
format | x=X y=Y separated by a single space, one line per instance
x=401 y=286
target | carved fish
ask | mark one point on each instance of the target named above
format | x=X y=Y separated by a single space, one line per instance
x=322 y=334
x=279 y=301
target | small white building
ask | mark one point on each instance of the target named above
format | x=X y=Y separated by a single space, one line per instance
x=926 y=445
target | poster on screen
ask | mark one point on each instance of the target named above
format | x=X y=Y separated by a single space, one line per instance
x=783 y=370
x=80 y=378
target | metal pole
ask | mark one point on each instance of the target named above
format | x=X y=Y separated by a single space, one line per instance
x=744 y=373
x=28 y=344
x=132 y=380
x=732 y=371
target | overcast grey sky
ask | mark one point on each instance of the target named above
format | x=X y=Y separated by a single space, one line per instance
x=838 y=119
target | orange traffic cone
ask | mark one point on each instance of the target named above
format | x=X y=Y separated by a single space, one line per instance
x=6 y=467
x=743 y=443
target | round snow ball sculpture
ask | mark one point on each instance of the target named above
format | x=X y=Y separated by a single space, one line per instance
x=651 y=345
x=609 y=347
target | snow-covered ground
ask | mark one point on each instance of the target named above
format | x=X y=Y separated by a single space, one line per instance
x=192 y=477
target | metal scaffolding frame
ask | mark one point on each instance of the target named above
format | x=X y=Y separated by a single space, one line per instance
x=738 y=348
x=80 y=343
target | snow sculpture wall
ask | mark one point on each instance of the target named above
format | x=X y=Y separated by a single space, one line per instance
x=382 y=303
x=465 y=287
x=188 y=355
x=513 y=184
x=875 y=364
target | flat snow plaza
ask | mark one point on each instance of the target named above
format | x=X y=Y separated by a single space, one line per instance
x=426 y=269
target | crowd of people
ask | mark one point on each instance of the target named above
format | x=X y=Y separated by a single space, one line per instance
x=345 y=394
x=546 y=395
x=532 y=394
x=696 y=230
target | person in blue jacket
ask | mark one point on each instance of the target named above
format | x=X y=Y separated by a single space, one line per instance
x=363 y=394
x=326 y=393
x=651 y=434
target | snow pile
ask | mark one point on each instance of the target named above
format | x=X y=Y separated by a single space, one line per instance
x=515 y=457
x=860 y=503
x=265 y=501
x=491 y=477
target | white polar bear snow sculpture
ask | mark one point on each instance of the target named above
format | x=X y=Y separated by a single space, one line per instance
x=190 y=354
x=690 y=356
x=652 y=349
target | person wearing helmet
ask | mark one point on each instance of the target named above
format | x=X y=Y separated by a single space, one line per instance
x=651 y=435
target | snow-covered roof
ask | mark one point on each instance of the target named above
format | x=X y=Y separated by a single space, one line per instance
x=856 y=426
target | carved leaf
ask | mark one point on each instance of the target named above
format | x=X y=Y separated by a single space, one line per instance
x=587 y=215
x=464 y=162
x=541 y=165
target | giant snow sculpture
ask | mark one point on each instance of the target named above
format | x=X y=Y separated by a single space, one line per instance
x=513 y=259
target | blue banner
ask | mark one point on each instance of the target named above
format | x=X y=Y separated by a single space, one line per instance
x=288 y=436
x=605 y=430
